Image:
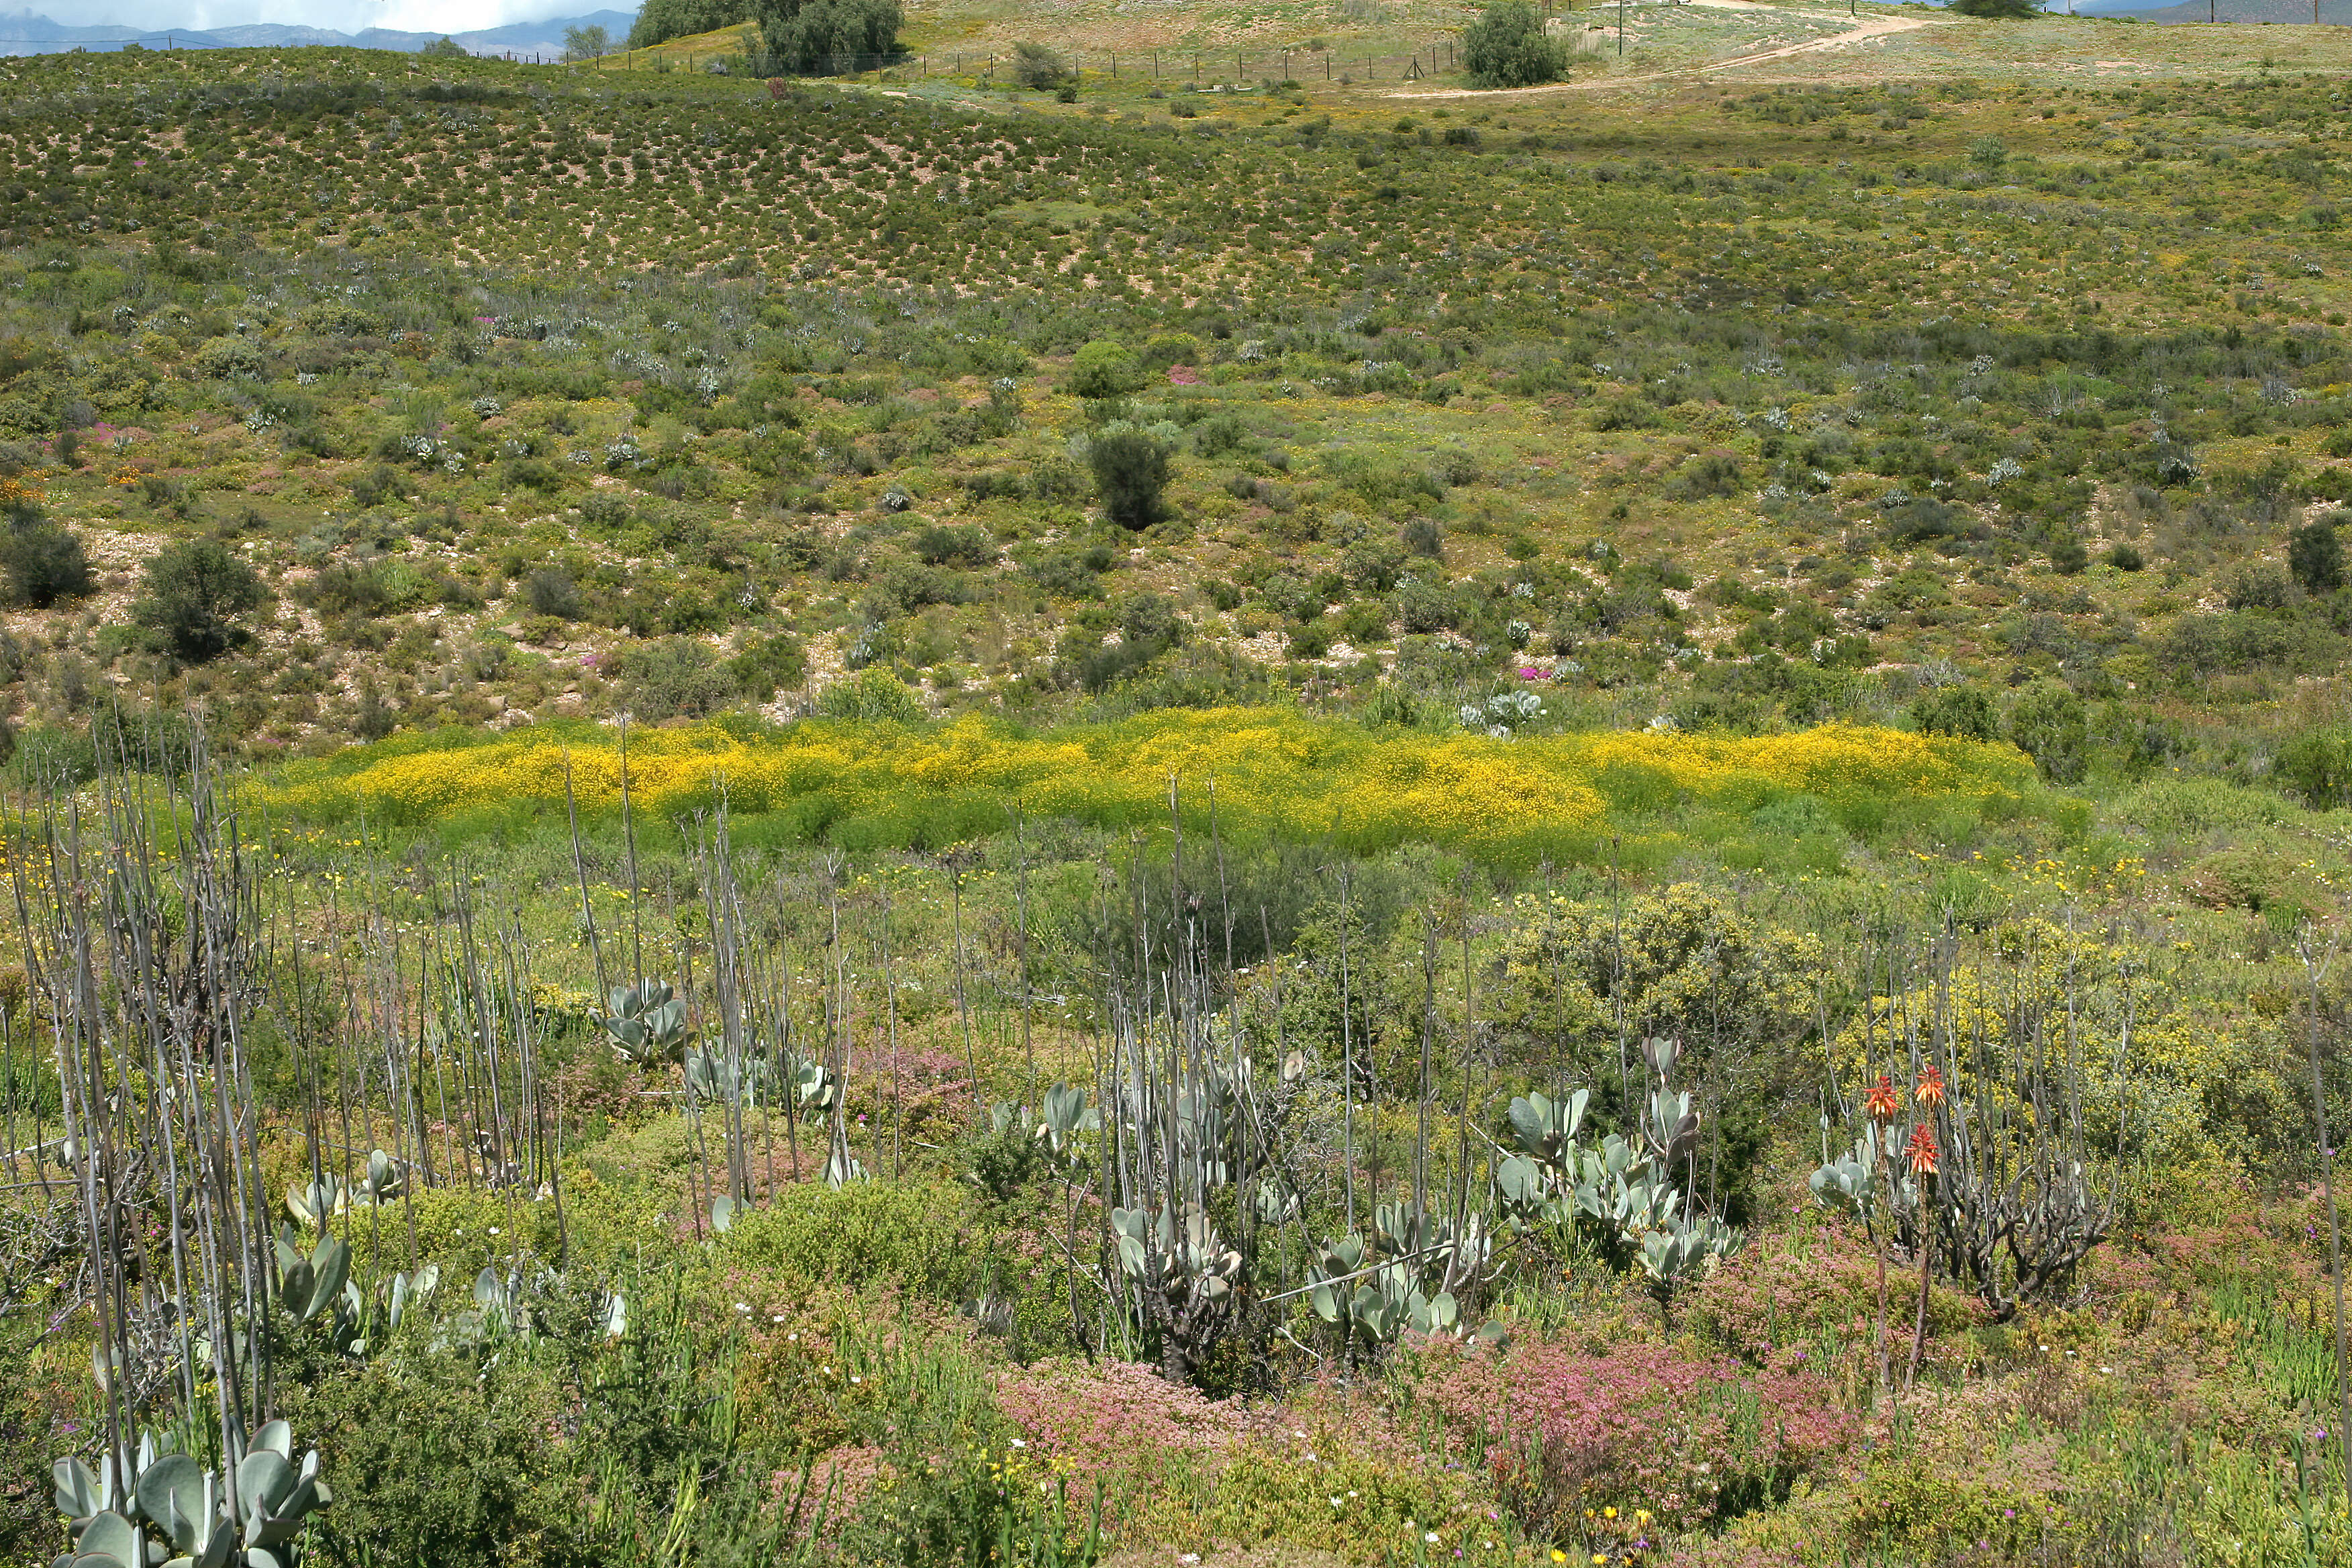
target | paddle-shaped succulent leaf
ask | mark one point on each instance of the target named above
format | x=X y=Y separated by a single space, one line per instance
x=309 y=1285
x=174 y=1495
x=110 y=1539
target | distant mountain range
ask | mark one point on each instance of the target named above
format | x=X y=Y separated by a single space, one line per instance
x=29 y=34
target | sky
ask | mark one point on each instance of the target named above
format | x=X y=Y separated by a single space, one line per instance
x=345 y=15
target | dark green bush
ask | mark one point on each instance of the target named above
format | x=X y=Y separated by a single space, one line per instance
x=1507 y=47
x=2314 y=554
x=1130 y=468
x=196 y=592
x=1962 y=710
x=2048 y=723
x=44 y=562
x=1104 y=369
x=658 y=21
x=676 y=678
x=549 y=591
x=2317 y=765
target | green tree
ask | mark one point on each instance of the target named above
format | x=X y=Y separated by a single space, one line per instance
x=592 y=43
x=659 y=21
x=2315 y=553
x=818 y=37
x=1131 y=468
x=195 y=593
x=2009 y=9
x=1507 y=47
x=2049 y=725
x=445 y=48
x=1035 y=65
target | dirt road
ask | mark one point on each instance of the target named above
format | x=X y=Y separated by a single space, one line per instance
x=1862 y=32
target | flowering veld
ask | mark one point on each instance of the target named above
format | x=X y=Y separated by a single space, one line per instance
x=1271 y=773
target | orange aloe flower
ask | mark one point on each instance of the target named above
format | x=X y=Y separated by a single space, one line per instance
x=1920 y=1152
x=1931 y=1086
x=1882 y=1102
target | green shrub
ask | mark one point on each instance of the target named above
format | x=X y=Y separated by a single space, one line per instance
x=1035 y=66
x=445 y=1458
x=1130 y=468
x=676 y=678
x=1507 y=47
x=549 y=591
x=196 y=592
x=658 y=21
x=865 y=1234
x=44 y=562
x=871 y=695
x=2048 y=724
x=1962 y=710
x=2317 y=765
x=2314 y=554
x=1104 y=369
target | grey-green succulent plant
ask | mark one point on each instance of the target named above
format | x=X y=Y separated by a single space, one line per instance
x=173 y=1513
x=646 y=1021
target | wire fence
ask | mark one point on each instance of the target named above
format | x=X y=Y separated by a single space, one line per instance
x=1197 y=66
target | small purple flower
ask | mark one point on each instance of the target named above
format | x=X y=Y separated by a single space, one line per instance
x=2008 y=1513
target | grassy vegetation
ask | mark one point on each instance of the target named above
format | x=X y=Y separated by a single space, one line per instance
x=1263 y=818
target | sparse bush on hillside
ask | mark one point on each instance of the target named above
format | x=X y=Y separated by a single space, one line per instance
x=2314 y=554
x=1965 y=711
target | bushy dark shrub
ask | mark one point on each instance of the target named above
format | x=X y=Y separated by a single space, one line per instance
x=1962 y=710
x=676 y=678
x=1130 y=468
x=1035 y=66
x=196 y=592
x=549 y=591
x=2317 y=765
x=44 y=562
x=2049 y=724
x=2314 y=554
x=1507 y=47
x=658 y=21
x=1102 y=369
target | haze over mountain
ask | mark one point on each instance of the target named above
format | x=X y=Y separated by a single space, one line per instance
x=28 y=32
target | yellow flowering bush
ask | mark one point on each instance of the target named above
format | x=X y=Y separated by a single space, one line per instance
x=1272 y=773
